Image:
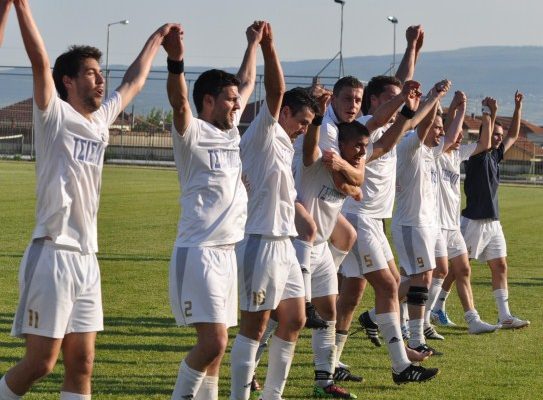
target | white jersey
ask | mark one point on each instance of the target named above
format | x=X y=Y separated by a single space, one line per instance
x=449 y=185
x=321 y=199
x=416 y=182
x=266 y=156
x=69 y=159
x=379 y=183
x=213 y=198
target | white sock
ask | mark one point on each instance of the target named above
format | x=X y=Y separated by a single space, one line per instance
x=303 y=255
x=440 y=302
x=373 y=315
x=270 y=328
x=74 y=396
x=242 y=366
x=416 y=332
x=188 y=382
x=404 y=313
x=341 y=338
x=337 y=255
x=324 y=351
x=471 y=315
x=433 y=293
x=5 y=391
x=502 y=302
x=209 y=389
x=389 y=325
x=281 y=355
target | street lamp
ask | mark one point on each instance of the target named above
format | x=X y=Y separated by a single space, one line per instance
x=122 y=22
x=340 y=52
x=394 y=22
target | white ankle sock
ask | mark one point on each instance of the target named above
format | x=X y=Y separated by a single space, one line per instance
x=303 y=255
x=281 y=355
x=270 y=328
x=188 y=382
x=373 y=315
x=242 y=366
x=324 y=351
x=502 y=302
x=389 y=325
x=209 y=389
x=416 y=332
x=441 y=300
x=337 y=255
x=5 y=391
x=471 y=315
x=74 y=396
x=340 y=344
x=433 y=293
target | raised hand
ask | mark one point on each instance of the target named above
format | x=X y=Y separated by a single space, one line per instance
x=412 y=94
x=412 y=34
x=255 y=32
x=173 y=43
x=491 y=103
x=267 y=35
x=441 y=88
x=518 y=99
x=322 y=96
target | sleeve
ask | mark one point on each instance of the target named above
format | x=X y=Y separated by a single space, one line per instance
x=261 y=133
x=110 y=109
x=47 y=122
x=369 y=151
x=499 y=152
x=328 y=137
x=466 y=150
x=191 y=133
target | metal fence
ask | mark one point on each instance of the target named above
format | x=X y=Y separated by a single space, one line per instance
x=136 y=138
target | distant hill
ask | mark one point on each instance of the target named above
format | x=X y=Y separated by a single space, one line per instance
x=479 y=71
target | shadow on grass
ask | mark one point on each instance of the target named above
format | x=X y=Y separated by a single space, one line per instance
x=131 y=257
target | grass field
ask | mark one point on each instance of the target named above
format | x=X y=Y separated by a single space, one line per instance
x=139 y=352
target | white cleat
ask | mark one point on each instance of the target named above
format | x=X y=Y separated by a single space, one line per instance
x=513 y=323
x=477 y=326
x=431 y=333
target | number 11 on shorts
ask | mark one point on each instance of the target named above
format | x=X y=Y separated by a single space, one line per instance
x=33 y=318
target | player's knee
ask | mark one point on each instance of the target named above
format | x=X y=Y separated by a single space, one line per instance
x=387 y=287
x=80 y=364
x=463 y=272
x=417 y=295
x=349 y=301
x=41 y=368
x=499 y=266
x=214 y=347
x=296 y=322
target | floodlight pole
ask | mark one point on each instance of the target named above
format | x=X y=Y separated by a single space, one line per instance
x=122 y=22
x=340 y=52
x=394 y=22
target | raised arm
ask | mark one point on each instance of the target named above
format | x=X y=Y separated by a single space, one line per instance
x=455 y=127
x=44 y=86
x=415 y=38
x=401 y=124
x=485 y=138
x=176 y=85
x=425 y=115
x=274 y=82
x=385 y=111
x=135 y=76
x=311 y=139
x=455 y=102
x=247 y=70
x=514 y=128
x=5 y=5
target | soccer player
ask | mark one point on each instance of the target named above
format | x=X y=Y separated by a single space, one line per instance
x=317 y=191
x=5 y=5
x=449 y=211
x=60 y=305
x=269 y=275
x=414 y=224
x=480 y=224
x=203 y=272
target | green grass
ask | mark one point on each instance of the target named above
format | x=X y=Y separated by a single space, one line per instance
x=139 y=352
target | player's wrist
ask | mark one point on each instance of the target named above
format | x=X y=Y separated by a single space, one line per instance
x=175 y=67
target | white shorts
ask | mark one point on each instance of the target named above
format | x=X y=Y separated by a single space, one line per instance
x=455 y=243
x=59 y=292
x=371 y=251
x=203 y=285
x=441 y=244
x=268 y=272
x=415 y=246
x=484 y=238
x=323 y=271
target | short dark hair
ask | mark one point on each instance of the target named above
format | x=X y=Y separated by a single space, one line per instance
x=347 y=81
x=375 y=87
x=348 y=131
x=211 y=82
x=69 y=63
x=298 y=98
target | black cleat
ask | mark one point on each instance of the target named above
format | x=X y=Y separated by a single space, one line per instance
x=414 y=373
x=314 y=320
x=343 y=374
x=424 y=348
x=372 y=330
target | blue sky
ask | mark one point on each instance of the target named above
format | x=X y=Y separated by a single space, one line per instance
x=304 y=29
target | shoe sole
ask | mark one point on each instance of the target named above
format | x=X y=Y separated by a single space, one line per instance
x=426 y=380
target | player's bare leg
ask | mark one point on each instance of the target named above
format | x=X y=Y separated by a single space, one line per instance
x=78 y=354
